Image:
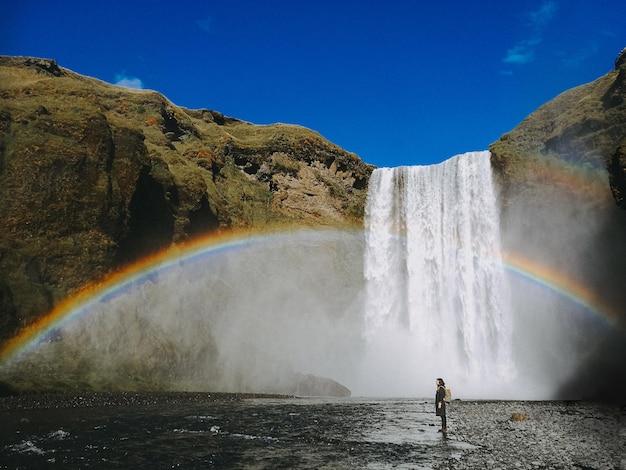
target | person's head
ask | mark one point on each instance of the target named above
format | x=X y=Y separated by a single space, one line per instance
x=440 y=382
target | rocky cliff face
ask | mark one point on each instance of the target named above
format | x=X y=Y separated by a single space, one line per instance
x=94 y=176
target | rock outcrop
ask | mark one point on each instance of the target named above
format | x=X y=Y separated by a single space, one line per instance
x=95 y=176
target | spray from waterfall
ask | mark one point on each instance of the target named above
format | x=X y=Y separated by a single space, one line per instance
x=421 y=294
x=436 y=295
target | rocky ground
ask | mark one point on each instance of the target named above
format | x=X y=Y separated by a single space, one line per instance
x=61 y=400
x=492 y=434
x=538 y=435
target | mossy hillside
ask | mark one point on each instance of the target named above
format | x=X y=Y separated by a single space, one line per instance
x=94 y=176
x=577 y=131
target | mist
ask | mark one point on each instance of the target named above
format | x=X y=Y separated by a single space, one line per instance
x=252 y=317
x=566 y=348
x=243 y=319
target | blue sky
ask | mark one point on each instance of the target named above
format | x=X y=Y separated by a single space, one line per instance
x=396 y=82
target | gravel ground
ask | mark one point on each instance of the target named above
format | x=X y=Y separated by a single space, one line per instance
x=547 y=435
x=101 y=399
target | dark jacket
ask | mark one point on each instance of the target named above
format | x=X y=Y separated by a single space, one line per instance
x=439 y=396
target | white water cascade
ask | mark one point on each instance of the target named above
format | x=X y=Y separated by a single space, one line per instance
x=422 y=294
x=437 y=301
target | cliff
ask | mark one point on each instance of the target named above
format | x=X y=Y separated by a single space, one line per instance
x=583 y=128
x=563 y=177
x=94 y=176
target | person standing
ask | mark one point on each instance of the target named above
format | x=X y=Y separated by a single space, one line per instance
x=440 y=404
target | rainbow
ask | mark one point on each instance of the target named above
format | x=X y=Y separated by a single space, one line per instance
x=127 y=277
x=560 y=283
x=590 y=184
x=136 y=273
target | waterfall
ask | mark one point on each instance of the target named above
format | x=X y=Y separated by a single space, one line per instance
x=422 y=294
x=436 y=297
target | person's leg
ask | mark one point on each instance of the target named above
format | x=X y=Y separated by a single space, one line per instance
x=443 y=423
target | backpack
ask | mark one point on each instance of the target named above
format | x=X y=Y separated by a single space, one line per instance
x=448 y=396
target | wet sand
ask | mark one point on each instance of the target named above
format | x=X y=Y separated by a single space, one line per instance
x=555 y=435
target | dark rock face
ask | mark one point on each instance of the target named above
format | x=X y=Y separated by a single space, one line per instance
x=94 y=176
x=151 y=222
x=617 y=174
